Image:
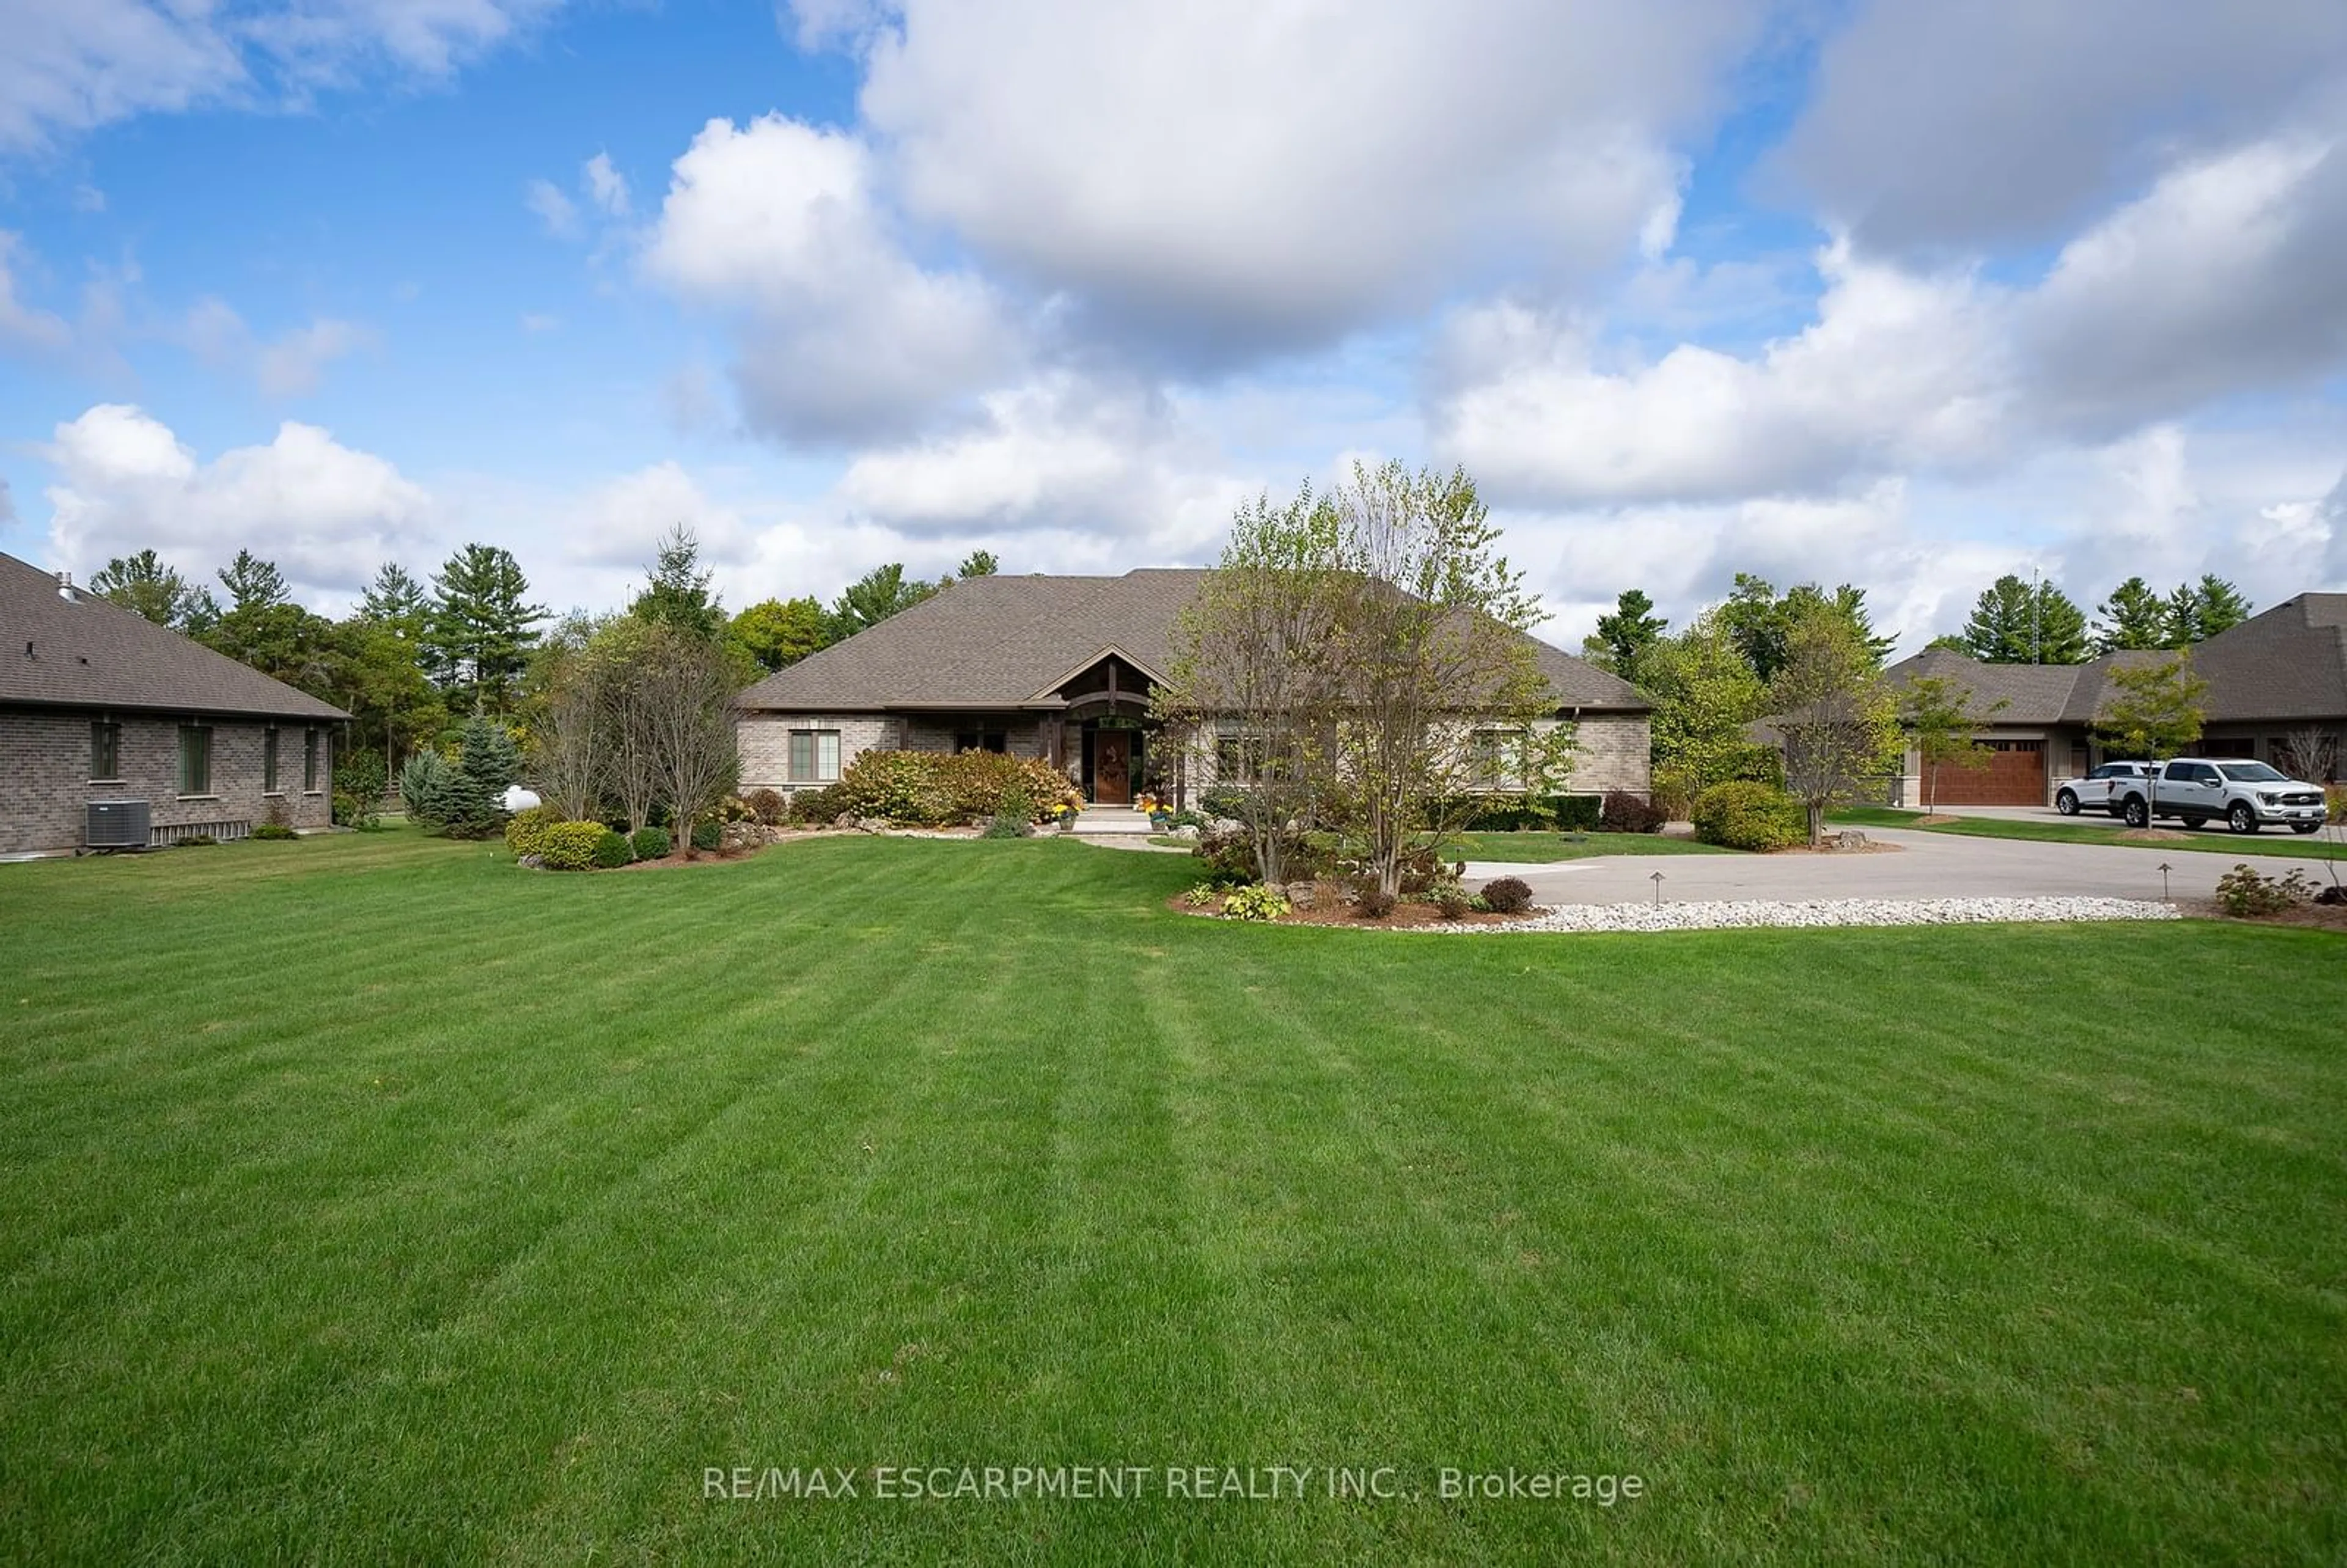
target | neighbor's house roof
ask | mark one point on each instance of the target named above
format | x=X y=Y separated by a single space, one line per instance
x=76 y=650
x=2285 y=665
x=1008 y=642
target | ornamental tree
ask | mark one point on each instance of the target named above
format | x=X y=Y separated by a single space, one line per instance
x=2152 y=710
x=1938 y=713
x=1432 y=657
x=1251 y=655
x=1838 y=717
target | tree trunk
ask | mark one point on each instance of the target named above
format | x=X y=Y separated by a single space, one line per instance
x=1817 y=809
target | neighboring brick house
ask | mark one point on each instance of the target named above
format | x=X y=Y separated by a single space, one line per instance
x=100 y=704
x=1062 y=667
x=2276 y=682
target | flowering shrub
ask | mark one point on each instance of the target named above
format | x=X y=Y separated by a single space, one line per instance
x=901 y=788
x=1256 y=903
x=926 y=789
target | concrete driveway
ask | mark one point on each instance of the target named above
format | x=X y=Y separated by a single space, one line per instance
x=1924 y=866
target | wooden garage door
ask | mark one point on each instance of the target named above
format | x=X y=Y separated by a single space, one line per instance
x=2015 y=775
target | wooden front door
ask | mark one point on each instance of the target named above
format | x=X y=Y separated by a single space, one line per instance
x=1112 y=767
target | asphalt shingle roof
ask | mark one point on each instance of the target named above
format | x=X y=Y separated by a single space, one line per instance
x=1002 y=642
x=84 y=652
x=2285 y=665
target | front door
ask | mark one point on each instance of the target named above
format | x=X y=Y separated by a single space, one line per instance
x=1112 y=767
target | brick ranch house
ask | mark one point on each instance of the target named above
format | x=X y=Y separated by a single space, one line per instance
x=97 y=704
x=2278 y=675
x=1062 y=667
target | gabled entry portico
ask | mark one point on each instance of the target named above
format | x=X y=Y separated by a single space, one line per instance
x=1099 y=728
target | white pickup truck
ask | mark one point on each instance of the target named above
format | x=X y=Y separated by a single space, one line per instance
x=2097 y=790
x=2245 y=795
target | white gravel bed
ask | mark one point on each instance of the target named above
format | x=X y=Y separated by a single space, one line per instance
x=1822 y=912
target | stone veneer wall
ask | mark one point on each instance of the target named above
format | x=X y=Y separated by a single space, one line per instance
x=1612 y=747
x=765 y=739
x=1022 y=736
x=45 y=783
x=1612 y=751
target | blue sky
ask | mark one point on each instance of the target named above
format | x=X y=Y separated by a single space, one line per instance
x=1882 y=292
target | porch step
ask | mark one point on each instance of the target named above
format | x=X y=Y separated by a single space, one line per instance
x=1098 y=819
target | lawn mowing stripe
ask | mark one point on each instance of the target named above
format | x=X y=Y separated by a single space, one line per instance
x=1781 y=1232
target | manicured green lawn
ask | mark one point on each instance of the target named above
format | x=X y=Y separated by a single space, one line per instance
x=1529 y=847
x=2206 y=840
x=369 y=1199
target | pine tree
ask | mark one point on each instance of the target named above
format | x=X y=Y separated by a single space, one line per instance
x=2013 y=624
x=2132 y=617
x=2221 y=606
x=397 y=600
x=677 y=591
x=473 y=802
x=481 y=626
x=252 y=583
x=2198 y=611
x=1760 y=621
x=978 y=563
x=263 y=627
x=874 y=596
x=143 y=585
x=1625 y=635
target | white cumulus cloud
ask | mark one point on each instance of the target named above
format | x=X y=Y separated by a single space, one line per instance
x=841 y=334
x=1228 y=176
x=69 y=66
x=324 y=512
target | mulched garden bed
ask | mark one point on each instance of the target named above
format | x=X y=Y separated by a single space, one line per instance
x=2319 y=916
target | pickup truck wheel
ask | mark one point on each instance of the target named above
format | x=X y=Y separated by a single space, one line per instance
x=2135 y=813
x=2067 y=802
x=2243 y=819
